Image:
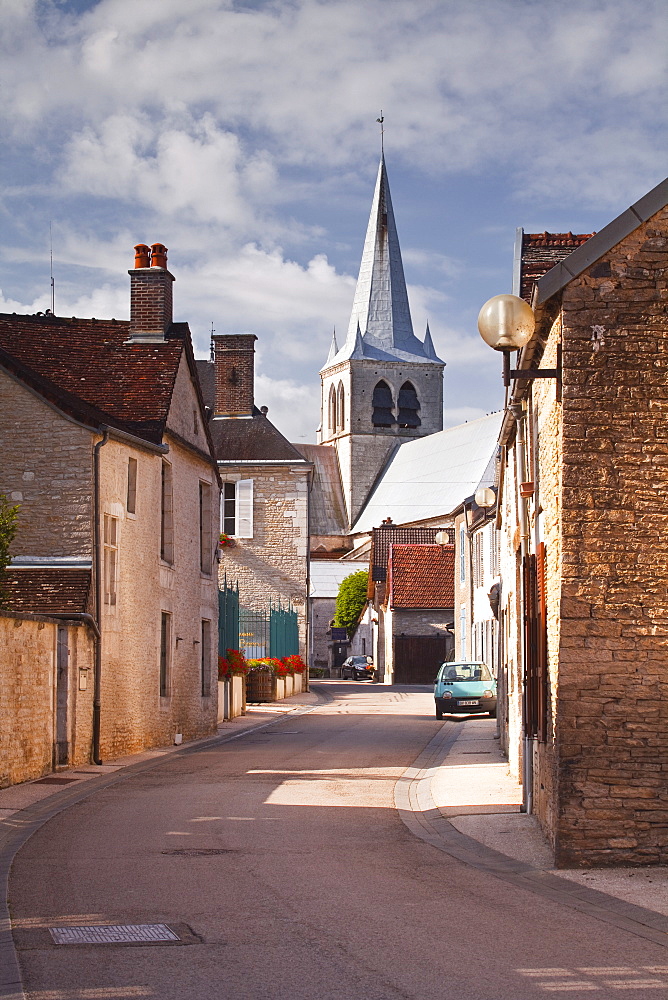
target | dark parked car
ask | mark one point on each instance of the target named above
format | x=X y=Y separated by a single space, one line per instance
x=358 y=668
x=465 y=687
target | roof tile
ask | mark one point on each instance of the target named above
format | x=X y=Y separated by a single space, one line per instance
x=422 y=576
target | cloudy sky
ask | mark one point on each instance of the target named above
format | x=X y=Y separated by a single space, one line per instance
x=243 y=135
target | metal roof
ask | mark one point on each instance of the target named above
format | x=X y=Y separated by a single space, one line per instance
x=326 y=575
x=380 y=326
x=577 y=261
x=431 y=476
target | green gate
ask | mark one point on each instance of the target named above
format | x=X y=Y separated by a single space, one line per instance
x=228 y=617
x=283 y=630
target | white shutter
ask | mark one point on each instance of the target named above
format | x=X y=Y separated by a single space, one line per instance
x=244 y=509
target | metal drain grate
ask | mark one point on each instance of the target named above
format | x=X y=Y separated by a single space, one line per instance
x=198 y=852
x=115 y=934
x=53 y=781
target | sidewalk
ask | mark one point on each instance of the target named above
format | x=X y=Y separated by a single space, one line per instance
x=474 y=791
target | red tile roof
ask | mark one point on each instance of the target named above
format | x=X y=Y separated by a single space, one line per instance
x=422 y=576
x=541 y=251
x=42 y=591
x=86 y=367
x=391 y=534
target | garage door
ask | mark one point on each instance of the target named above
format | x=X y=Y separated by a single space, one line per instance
x=418 y=657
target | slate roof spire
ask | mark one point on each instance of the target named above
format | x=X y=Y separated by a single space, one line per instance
x=380 y=322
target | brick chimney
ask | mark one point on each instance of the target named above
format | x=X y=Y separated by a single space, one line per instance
x=235 y=374
x=150 y=295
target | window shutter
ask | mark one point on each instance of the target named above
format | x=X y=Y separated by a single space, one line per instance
x=244 y=509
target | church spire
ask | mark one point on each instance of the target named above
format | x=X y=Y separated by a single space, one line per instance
x=380 y=327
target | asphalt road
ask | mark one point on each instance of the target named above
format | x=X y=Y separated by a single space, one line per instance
x=283 y=865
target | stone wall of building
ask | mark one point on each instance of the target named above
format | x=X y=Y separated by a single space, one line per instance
x=49 y=475
x=28 y=695
x=273 y=564
x=613 y=688
x=544 y=418
x=134 y=715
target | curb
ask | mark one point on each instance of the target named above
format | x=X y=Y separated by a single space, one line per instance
x=419 y=812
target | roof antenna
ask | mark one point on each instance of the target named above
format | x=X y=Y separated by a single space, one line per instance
x=53 y=286
x=382 y=133
x=212 y=349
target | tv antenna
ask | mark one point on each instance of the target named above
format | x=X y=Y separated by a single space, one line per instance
x=53 y=284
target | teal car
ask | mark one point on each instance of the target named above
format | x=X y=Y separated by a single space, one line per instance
x=465 y=688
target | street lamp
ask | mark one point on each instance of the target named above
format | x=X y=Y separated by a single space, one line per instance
x=506 y=323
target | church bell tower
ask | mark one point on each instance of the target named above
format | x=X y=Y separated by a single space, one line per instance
x=384 y=386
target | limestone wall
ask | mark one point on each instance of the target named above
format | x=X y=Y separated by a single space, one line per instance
x=612 y=701
x=48 y=474
x=274 y=562
x=134 y=715
x=28 y=696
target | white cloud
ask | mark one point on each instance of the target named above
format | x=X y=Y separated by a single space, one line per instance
x=293 y=408
x=465 y=86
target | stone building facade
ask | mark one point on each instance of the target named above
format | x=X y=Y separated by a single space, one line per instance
x=47 y=695
x=107 y=452
x=583 y=506
x=265 y=491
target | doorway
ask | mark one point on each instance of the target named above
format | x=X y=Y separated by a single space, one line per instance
x=62 y=746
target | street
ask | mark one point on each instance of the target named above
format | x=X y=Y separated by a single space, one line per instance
x=285 y=869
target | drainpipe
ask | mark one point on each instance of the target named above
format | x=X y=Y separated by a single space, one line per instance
x=97 y=565
x=518 y=413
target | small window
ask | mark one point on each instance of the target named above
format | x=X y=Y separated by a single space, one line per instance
x=131 y=502
x=110 y=558
x=382 y=403
x=167 y=515
x=408 y=406
x=165 y=653
x=205 y=662
x=340 y=407
x=236 y=509
x=462 y=554
x=205 y=528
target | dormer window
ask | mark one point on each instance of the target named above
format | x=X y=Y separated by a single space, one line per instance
x=408 y=406
x=382 y=406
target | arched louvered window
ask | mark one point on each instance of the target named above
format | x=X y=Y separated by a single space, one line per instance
x=382 y=406
x=409 y=405
x=332 y=409
x=340 y=408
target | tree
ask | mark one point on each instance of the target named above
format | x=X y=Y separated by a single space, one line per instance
x=8 y=528
x=351 y=599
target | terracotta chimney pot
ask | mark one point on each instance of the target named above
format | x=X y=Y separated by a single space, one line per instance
x=158 y=255
x=142 y=253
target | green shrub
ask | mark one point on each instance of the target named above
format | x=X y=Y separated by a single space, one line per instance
x=351 y=599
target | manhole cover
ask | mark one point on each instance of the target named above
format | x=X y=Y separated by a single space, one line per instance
x=198 y=852
x=115 y=934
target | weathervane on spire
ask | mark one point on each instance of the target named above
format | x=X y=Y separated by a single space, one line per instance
x=382 y=132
